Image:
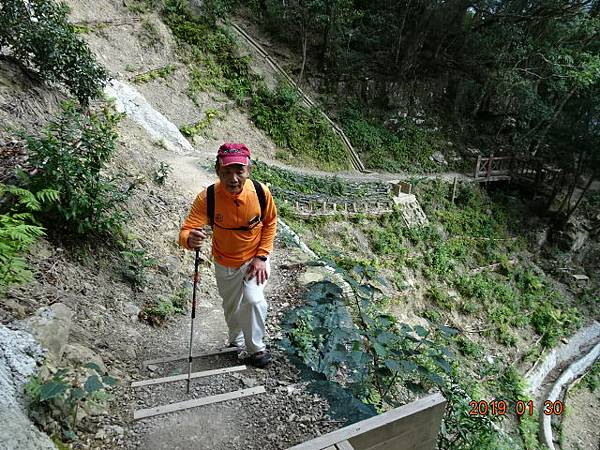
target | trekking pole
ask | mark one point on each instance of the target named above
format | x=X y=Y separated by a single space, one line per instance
x=196 y=264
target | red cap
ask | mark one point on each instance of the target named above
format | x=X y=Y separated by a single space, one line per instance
x=230 y=153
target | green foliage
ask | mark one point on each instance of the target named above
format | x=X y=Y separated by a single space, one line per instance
x=152 y=75
x=135 y=263
x=440 y=297
x=215 y=64
x=368 y=347
x=210 y=116
x=161 y=173
x=149 y=35
x=157 y=312
x=468 y=347
x=552 y=323
x=19 y=229
x=281 y=180
x=591 y=380
x=409 y=148
x=41 y=38
x=213 y=58
x=71 y=158
x=56 y=403
x=305 y=132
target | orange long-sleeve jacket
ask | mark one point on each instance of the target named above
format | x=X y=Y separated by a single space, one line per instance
x=232 y=248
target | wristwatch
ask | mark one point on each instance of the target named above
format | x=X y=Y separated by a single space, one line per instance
x=262 y=258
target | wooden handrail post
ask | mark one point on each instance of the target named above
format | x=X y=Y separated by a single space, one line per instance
x=454 y=189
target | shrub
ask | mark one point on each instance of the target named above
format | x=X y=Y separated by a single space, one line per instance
x=135 y=263
x=304 y=131
x=71 y=158
x=18 y=230
x=40 y=38
x=407 y=149
x=161 y=173
x=211 y=115
x=56 y=403
x=147 y=77
x=157 y=312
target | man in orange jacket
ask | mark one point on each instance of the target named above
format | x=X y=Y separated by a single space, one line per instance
x=243 y=235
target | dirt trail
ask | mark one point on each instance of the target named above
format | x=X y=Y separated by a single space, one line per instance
x=285 y=415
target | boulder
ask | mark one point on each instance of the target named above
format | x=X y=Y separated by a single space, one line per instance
x=313 y=275
x=439 y=158
x=19 y=358
x=50 y=326
x=129 y=100
x=80 y=355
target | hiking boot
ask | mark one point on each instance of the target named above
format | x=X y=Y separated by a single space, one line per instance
x=259 y=359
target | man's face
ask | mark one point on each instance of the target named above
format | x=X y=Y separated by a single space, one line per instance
x=233 y=177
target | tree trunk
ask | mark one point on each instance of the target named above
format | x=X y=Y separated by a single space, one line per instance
x=326 y=35
x=400 y=31
x=552 y=120
x=304 y=45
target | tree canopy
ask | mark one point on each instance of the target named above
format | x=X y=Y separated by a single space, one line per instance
x=523 y=75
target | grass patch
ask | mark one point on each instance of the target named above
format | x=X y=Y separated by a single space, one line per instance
x=151 y=75
x=201 y=126
x=158 y=312
x=284 y=180
x=408 y=148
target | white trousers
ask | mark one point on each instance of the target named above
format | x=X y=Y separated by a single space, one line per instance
x=244 y=306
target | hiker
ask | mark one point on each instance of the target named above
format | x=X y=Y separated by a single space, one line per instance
x=243 y=218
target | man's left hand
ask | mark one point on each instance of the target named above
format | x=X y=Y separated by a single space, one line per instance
x=257 y=268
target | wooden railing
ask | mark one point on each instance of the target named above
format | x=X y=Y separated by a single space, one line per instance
x=354 y=158
x=346 y=208
x=493 y=168
x=526 y=170
x=414 y=426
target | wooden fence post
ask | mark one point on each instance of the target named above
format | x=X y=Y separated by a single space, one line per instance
x=454 y=189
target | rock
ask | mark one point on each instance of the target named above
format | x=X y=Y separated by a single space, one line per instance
x=50 y=326
x=574 y=237
x=101 y=434
x=295 y=256
x=439 y=158
x=80 y=355
x=313 y=275
x=170 y=266
x=41 y=249
x=249 y=382
x=132 y=311
x=19 y=357
x=116 y=430
x=129 y=100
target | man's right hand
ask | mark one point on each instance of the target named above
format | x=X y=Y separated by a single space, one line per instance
x=195 y=238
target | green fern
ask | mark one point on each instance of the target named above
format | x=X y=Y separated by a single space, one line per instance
x=18 y=230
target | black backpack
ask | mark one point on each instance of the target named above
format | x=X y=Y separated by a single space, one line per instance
x=210 y=202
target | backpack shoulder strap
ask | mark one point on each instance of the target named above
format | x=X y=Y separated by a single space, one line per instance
x=210 y=204
x=262 y=199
